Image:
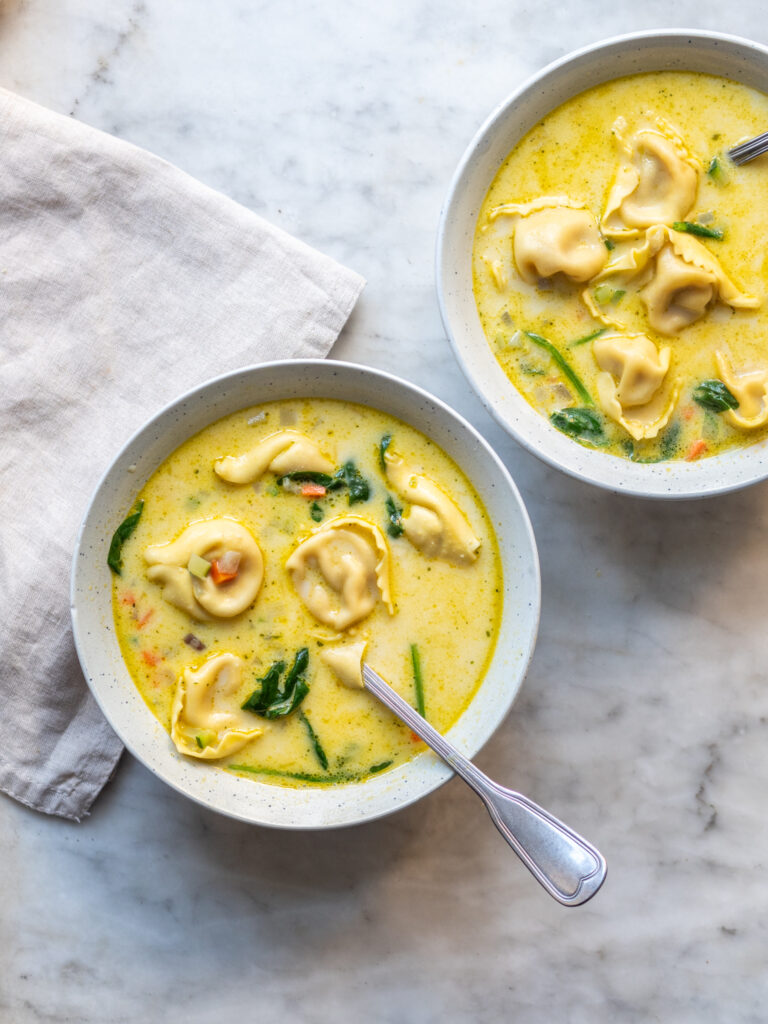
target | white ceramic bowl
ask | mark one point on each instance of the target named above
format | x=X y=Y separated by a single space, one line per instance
x=116 y=693
x=739 y=59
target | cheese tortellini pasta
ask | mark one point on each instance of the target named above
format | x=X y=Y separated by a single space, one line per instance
x=287 y=451
x=433 y=523
x=750 y=388
x=346 y=663
x=553 y=237
x=341 y=571
x=656 y=184
x=200 y=596
x=629 y=386
x=206 y=720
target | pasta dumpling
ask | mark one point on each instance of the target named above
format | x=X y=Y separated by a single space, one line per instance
x=346 y=663
x=434 y=524
x=558 y=241
x=341 y=571
x=751 y=391
x=656 y=184
x=636 y=363
x=206 y=719
x=554 y=236
x=628 y=387
x=680 y=279
x=200 y=596
x=287 y=451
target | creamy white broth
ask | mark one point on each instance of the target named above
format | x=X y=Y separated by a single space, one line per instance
x=573 y=154
x=449 y=611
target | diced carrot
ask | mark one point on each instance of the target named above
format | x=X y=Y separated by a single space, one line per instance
x=688 y=412
x=310 y=490
x=149 y=657
x=128 y=597
x=697 y=448
x=218 y=576
x=416 y=738
x=141 y=623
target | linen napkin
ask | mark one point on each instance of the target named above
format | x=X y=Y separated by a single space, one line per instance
x=123 y=282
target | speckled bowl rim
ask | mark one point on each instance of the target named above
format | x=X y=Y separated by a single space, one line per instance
x=99 y=653
x=715 y=53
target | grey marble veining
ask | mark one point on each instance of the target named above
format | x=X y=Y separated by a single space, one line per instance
x=644 y=718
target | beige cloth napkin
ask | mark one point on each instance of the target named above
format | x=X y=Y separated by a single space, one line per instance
x=123 y=282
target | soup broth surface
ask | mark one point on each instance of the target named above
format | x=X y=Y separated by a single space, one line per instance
x=445 y=615
x=573 y=153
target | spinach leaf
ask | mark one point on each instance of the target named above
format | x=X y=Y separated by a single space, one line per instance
x=384 y=443
x=322 y=757
x=379 y=767
x=315 y=512
x=306 y=476
x=581 y=424
x=715 y=396
x=691 y=227
x=395 y=516
x=609 y=245
x=269 y=700
x=349 y=476
x=564 y=366
x=670 y=440
x=120 y=536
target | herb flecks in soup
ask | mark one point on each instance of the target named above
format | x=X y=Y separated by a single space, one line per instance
x=275 y=550
x=619 y=268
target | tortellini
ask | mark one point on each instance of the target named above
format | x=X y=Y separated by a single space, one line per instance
x=287 y=451
x=346 y=663
x=751 y=391
x=433 y=523
x=629 y=386
x=656 y=184
x=206 y=719
x=552 y=236
x=683 y=280
x=341 y=571
x=202 y=598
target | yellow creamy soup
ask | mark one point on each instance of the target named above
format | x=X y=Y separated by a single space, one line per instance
x=277 y=549
x=619 y=267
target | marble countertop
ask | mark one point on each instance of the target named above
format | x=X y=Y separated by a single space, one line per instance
x=644 y=717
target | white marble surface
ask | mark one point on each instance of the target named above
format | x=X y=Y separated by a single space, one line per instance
x=643 y=720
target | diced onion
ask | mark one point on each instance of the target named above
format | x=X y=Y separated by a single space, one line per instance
x=229 y=562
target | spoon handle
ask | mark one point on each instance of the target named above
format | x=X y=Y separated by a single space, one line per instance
x=569 y=868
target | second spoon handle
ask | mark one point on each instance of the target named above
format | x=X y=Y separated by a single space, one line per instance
x=569 y=868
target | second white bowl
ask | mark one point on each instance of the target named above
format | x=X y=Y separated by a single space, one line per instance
x=709 y=52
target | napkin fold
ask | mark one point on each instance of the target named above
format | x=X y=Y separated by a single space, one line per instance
x=123 y=282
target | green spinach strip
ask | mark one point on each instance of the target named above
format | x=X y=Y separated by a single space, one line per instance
x=564 y=366
x=690 y=227
x=394 y=517
x=322 y=757
x=418 y=682
x=384 y=443
x=120 y=536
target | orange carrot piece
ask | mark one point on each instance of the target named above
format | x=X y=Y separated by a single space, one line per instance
x=688 y=412
x=128 y=597
x=141 y=623
x=149 y=657
x=310 y=490
x=218 y=576
x=697 y=448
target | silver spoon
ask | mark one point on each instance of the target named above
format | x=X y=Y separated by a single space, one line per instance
x=749 y=150
x=568 y=867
